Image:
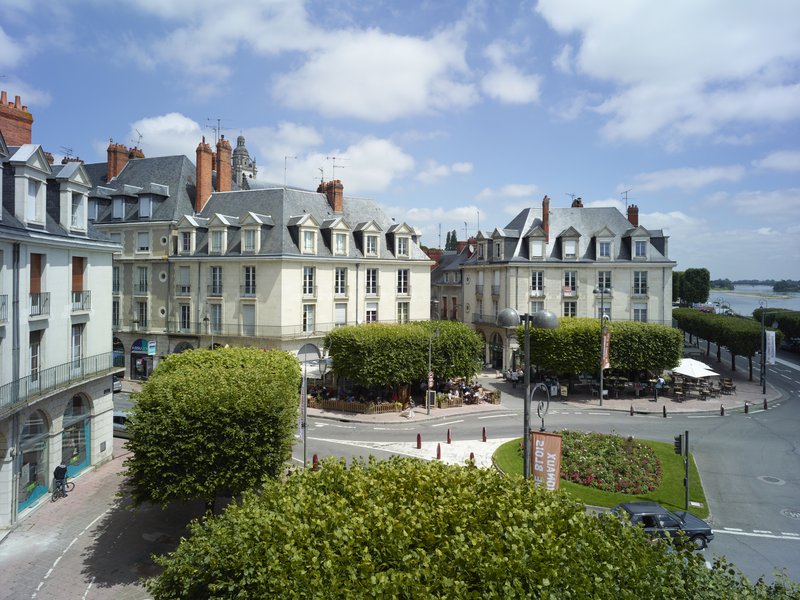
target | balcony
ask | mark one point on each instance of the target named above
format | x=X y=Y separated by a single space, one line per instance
x=40 y=305
x=141 y=288
x=214 y=290
x=248 y=290
x=479 y=289
x=3 y=308
x=537 y=292
x=27 y=389
x=183 y=289
x=81 y=300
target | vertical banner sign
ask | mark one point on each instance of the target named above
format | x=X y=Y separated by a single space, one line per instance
x=770 y=350
x=546 y=459
x=606 y=347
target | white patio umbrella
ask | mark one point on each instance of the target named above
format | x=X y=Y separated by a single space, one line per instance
x=694 y=368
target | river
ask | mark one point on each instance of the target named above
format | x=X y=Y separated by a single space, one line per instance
x=744 y=299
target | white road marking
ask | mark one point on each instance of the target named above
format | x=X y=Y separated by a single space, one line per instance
x=498 y=416
x=448 y=423
x=762 y=535
x=761 y=531
x=86 y=593
x=791 y=534
x=602 y=414
x=732 y=529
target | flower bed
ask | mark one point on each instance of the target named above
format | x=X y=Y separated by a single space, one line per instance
x=444 y=401
x=609 y=462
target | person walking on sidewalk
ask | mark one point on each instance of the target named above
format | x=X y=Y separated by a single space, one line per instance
x=659 y=384
x=514 y=378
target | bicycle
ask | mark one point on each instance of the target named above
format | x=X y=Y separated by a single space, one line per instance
x=62 y=490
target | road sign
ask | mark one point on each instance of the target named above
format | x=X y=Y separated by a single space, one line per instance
x=151 y=348
x=430 y=379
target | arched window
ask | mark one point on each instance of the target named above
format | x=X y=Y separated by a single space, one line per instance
x=75 y=441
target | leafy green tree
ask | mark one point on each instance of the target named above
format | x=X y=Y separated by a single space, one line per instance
x=212 y=422
x=574 y=347
x=379 y=355
x=696 y=286
x=722 y=284
x=677 y=286
x=405 y=528
x=788 y=320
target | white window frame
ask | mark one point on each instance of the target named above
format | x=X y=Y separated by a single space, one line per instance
x=639 y=283
x=371 y=245
x=498 y=249
x=339 y=243
x=640 y=248
x=371 y=312
x=537 y=248
x=215 y=278
x=570 y=308
x=77 y=221
x=187 y=242
x=215 y=317
x=309 y=276
x=404 y=281
x=33 y=209
x=601 y=244
x=309 y=311
x=640 y=312
x=145 y=207
x=249 y=240
x=570 y=248
x=403 y=245
x=340 y=314
x=248 y=328
x=604 y=280
x=536 y=306
x=115 y=289
x=216 y=241
x=93 y=209
x=340 y=281
x=142 y=313
x=371 y=278
x=308 y=240
x=118 y=208
x=185 y=317
x=537 y=281
x=403 y=312
x=140 y=249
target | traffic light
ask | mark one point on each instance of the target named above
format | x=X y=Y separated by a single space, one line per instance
x=678 y=444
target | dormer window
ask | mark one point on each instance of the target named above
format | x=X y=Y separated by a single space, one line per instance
x=402 y=246
x=77 y=221
x=217 y=239
x=309 y=242
x=570 y=248
x=604 y=249
x=640 y=249
x=117 y=208
x=145 y=207
x=481 y=251
x=537 y=248
x=340 y=244
x=249 y=240
x=372 y=245
x=32 y=211
x=498 y=249
x=186 y=242
x=93 y=210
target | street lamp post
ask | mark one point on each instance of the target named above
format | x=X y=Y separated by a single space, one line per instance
x=603 y=318
x=435 y=333
x=322 y=366
x=544 y=319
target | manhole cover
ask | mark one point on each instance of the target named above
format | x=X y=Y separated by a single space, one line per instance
x=792 y=513
x=772 y=480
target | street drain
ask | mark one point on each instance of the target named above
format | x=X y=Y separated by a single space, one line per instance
x=772 y=480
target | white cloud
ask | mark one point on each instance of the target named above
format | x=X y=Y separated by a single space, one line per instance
x=11 y=52
x=505 y=82
x=435 y=171
x=511 y=190
x=379 y=77
x=671 y=62
x=432 y=221
x=563 y=60
x=777 y=206
x=166 y=135
x=684 y=179
x=785 y=160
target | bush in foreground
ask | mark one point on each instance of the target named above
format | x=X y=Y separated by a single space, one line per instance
x=404 y=528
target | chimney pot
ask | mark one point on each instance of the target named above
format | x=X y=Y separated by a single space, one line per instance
x=546 y=218
x=633 y=215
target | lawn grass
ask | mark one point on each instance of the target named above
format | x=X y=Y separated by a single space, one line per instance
x=670 y=493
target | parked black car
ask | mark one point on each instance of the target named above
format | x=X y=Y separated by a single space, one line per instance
x=657 y=520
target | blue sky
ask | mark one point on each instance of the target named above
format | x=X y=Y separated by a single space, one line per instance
x=451 y=114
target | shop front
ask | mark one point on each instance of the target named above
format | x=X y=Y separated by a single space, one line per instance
x=33 y=469
x=76 y=438
x=141 y=359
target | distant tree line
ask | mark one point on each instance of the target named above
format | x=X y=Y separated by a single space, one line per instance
x=721 y=284
x=783 y=285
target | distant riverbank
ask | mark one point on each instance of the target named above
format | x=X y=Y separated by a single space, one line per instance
x=744 y=299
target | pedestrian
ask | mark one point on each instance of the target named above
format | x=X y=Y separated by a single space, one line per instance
x=514 y=378
x=59 y=477
x=659 y=384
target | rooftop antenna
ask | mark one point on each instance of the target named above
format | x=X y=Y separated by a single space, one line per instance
x=321 y=175
x=216 y=128
x=466 y=236
x=285 y=158
x=139 y=139
x=67 y=151
x=625 y=193
x=571 y=196
x=333 y=159
x=440 y=235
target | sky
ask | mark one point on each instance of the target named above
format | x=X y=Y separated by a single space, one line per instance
x=451 y=114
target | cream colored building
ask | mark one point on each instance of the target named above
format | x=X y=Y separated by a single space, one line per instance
x=56 y=362
x=575 y=262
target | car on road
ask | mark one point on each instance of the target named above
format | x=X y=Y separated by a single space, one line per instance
x=120 y=422
x=116 y=384
x=658 y=521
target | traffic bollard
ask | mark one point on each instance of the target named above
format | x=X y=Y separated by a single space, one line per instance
x=765 y=404
x=449 y=439
x=314 y=462
x=665 y=411
x=721 y=410
x=438 y=452
x=419 y=441
x=471 y=459
x=484 y=434
x=631 y=409
x=746 y=408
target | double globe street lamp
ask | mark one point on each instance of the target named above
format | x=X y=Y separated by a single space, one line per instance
x=543 y=319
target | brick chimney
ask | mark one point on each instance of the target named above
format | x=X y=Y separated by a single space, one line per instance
x=204 y=166
x=15 y=121
x=135 y=153
x=460 y=247
x=546 y=218
x=577 y=203
x=334 y=190
x=223 y=165
x=68 y=159
x=117 y=159
x=633 y=215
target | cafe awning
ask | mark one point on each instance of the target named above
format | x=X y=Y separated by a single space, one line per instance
x=690 y=367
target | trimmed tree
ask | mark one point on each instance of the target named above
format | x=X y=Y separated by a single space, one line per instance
x=379 y=355
x=405 y=528
x=212 y=422
x=696 y=285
